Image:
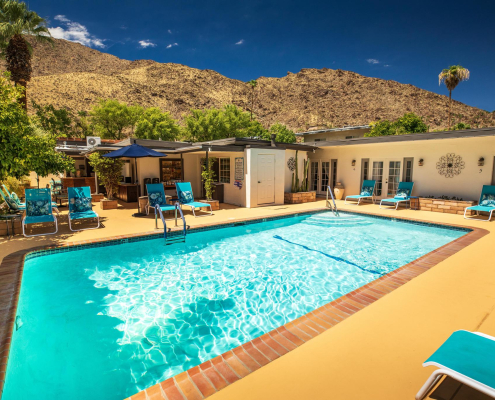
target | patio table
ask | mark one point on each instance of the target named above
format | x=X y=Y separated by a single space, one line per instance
x=11 y=218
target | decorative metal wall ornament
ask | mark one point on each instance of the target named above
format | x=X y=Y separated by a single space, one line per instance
x=291 y=163
x=450 y=165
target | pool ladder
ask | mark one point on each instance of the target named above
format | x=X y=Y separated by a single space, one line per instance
x=331 y=202
x=171 y=239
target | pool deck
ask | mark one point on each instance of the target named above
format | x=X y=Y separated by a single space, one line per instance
x=374 y=353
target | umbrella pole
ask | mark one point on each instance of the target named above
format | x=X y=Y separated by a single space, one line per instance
x=138 y=191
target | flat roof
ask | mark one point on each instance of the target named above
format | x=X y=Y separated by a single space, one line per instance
x=411 y=137
x=344 y=128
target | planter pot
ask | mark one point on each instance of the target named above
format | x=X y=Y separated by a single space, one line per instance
x=106 y=204
x=338 y=191
x=299 y=197
x=97 y=197
x=215 y=204
x=445 y=206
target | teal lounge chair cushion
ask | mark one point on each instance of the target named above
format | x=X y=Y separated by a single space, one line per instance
x=468 y=354
x=11 y=203
x=402 y=194
x=40 y=207
x=83 y=214
x=186 y=196
x=39 y=219
x=487 y=200
x=80 y=204
x=481 y=208
x=15 y=198
x=196 y=204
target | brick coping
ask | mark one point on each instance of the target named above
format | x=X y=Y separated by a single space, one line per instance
x=215 y=374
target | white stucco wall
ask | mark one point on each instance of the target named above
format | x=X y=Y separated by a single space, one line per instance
x=427 y=180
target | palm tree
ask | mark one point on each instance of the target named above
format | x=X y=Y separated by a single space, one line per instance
x=16 y=21
x=452 y=76
x=253 y=84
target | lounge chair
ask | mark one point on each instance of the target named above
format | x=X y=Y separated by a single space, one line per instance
x=486 y=203
x=39 y=210
x=80 y=206
x=367 y=191
x=13 y=196
x=403 y=194
x=156 y=195
x=466 y=357
x=13 y=205
x=186 y=198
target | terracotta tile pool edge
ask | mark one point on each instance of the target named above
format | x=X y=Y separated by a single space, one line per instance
x=233 y=365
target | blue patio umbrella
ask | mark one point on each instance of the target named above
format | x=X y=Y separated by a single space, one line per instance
x=134 y=151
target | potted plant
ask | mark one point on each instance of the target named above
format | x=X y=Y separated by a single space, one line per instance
x=299 y=190
x=208 y=176
x=109 y=171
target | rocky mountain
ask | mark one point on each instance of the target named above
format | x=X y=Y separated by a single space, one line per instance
x=71 y=75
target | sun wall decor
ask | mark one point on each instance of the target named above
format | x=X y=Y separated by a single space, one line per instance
x=450 y=165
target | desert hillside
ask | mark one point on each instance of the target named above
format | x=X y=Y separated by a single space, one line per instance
x=76 y=76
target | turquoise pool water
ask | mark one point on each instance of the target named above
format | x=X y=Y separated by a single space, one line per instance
x=107 y=322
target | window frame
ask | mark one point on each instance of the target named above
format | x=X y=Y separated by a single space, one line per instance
x=224 y=177
x=405 y=169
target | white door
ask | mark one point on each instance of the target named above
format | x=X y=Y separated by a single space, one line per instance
x=387 y=175
x=324 y=176
x=266 y=178
x=314 y=176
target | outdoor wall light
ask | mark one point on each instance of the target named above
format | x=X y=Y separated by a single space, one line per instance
x=353 y=163
x=420 y=162
x=481 y=162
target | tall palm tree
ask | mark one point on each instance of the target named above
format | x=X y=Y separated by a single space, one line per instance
x=452 y=76
x=16 y=22
x=253 y=84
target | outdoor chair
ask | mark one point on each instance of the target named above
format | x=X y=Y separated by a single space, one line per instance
x=403 y=194
x=14 y=205
x=39 y=210
x=466 y=357
x=186 y=198
x=156 y=195
x=486 y=203
x=80 y=206
x=367 y=191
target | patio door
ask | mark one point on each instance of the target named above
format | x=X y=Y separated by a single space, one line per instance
x=319 y=176
x=266 y=178
x=387 y=175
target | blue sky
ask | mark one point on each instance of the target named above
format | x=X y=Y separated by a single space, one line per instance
x=410 y=42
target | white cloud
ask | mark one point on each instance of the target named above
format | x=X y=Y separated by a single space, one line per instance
x=386 y=65
x=372 y=61
x=240 y=42
x=169 y=31
x=74 y=32
x=171 y=45
x=146 y=43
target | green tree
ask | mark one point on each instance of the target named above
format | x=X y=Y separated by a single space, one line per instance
x=408 y=123
x=460 y=126
x=452 y=76
x=111 y=118
x=58 y=122
x=16 y=22
x=23 y=146
x=283 y=134
x=155 y=124
x=108 y=170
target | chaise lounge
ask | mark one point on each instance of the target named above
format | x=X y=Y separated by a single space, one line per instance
x=466 y=357
x=403 y=195
x=38 y=210
x=186 y=198
x=367 y=191
x=486 y=203
x=80 y=206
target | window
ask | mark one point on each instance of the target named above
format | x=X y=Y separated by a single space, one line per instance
x=365 y=169
x=350 y=137
x=318 y=140
x=377 y=176
x=408 y=169
x=334 y=173
x=224 y=170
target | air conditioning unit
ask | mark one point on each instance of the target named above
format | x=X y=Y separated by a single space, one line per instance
x=92 y=141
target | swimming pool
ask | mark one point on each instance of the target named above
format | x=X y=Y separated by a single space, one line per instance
x=107 y=322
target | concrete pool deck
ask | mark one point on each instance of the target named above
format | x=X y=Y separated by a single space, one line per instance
x=376 y=353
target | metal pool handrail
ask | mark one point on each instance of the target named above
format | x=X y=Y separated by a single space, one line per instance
x=158 y=211
x=333 y=206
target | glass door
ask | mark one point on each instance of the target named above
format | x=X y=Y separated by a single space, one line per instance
x=325 y=176
x=314 y=176
x=377 y=175
x=393 y=178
